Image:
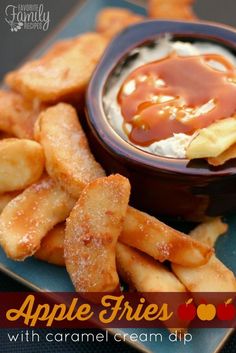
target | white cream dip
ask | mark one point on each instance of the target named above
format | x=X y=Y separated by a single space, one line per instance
x=176 y=145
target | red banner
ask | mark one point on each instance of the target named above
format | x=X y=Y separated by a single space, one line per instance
x=116 y=310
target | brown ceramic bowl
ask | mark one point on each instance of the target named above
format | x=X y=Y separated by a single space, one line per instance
x=169 y=187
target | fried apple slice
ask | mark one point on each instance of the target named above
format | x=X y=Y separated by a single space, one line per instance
x=209 y=231
x=213 y=140
x=171 y=9
x=61 y=74
x=52 y=246
x=17 y=115
x=92 y=230
x=112 y=20
x=28 y=217
x=68 y=157
x=21 y=163
x=225 y=156
x=6 y=198
x=144 y=273
x=213 y=276
x=160 y=241
x=147 y=275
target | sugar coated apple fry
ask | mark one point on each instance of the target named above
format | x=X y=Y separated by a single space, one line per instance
x=52 y=246
x=171 y=9
x=213 y=140
x=92 y=230
x=160 y=241
x=68 y=157
x=209 y=231
x=63 y=72
x=111 y=20
x=21 y=163
x=144 y=273
x=17 y=115
x=28 y=217
x=214 y=276
x=147 y=275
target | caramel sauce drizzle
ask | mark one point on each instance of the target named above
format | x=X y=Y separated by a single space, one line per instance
x=163 y=97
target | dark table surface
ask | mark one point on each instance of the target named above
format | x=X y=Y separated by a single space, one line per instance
x=14 y=47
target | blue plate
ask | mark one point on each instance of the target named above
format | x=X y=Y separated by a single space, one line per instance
x=40 y=276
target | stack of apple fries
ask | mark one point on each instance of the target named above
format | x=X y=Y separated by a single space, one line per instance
x=103 y=236
x=56 y=202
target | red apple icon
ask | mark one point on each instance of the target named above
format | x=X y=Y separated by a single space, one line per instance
x=187 y=311
x=226 y=311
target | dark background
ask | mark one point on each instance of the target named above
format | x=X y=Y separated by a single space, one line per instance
x=14 y=47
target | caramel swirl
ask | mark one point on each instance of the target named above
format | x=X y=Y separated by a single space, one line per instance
x=177 y=95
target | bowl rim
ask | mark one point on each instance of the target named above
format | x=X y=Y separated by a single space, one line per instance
x=120 y=46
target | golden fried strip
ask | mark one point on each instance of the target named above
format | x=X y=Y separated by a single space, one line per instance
x=213 y=140
x=171 y=9
x=69 y=161
x=156 y=239
x=21 y=163
x=225 y=156
x=62 y=73
x=52 y=246
x=145 y=232
x=144 y=273
x=213 y=276
x=68 y=157
x=147 y=275
x=92 y=231
x=6 y=198
x=112 y=20
x=17 y=115
x=209 y=231
x=28 y=217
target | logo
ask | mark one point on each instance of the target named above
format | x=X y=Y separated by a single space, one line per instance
x=27 y=16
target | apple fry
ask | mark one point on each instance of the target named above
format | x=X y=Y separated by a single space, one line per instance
x=62 y=73
x=92 y=231
x=147 y=275
x=17 y=115
x=225 y=156
x=144 y=273
x=52 y=246
x=209 y=231
x=156 y=239
x=171 y=9
x=28 y=217
x=112 y=20
x=68 y=157
x=21 y=163
x=213 y=140
x=213 y=276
